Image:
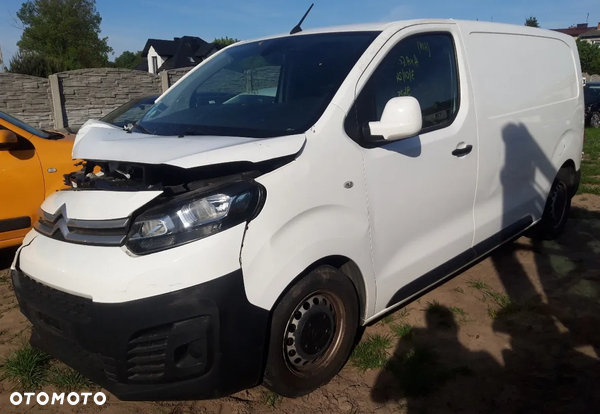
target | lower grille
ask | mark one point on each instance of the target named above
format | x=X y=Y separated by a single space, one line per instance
x=70 y=307
x=147 y=354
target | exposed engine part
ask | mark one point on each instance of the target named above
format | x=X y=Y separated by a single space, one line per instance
x=124 y=176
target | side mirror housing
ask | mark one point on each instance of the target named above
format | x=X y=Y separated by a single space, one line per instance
x=401 y=118
x=7 y=138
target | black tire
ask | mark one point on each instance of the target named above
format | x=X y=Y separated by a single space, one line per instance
x=303 y=353
x=558 y=206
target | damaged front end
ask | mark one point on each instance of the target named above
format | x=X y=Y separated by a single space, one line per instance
x=128 y=176
x=192 y=203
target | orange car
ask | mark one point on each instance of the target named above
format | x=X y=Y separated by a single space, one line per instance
x=32 y=164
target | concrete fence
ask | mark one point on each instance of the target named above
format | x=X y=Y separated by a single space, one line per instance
x=66 y=100
x=591 y=78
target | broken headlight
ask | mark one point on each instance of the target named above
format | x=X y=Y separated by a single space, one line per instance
x=193 y=216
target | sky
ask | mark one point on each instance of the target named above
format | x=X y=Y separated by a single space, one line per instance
x=129 y=23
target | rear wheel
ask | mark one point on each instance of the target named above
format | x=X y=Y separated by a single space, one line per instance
x=558 y=206
x=312 y=332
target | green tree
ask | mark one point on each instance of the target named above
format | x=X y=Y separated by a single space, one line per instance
x=65 y=30
x=35 y=64
x=532 y=22
x=589 y=55
x=129 y=60
x=222 y=42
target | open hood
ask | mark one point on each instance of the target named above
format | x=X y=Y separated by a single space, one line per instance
x=97 y=140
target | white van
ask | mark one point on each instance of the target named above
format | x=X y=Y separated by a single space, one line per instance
x=289 y=190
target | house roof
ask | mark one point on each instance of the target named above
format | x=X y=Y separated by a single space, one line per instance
x=591 y=33
x=162 y=47
x=572 y=31
x=180 y=52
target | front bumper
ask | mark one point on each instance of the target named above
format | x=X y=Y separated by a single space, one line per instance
x=204 y=341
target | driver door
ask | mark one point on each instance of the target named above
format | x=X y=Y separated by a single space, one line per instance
x=420 y=189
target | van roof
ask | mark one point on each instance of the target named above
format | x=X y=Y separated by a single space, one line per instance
x=467 y=25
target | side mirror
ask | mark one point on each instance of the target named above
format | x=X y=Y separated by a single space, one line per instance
x=401 y=118
x=7 y=138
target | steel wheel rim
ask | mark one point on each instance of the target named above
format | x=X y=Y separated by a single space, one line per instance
x=313 y=333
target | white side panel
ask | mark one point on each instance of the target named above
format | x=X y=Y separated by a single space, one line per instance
x=98 y=205
x=111 y=275
x=309 y=215
x=530 y=116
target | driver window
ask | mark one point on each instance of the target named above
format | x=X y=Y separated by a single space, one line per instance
x=422 y=66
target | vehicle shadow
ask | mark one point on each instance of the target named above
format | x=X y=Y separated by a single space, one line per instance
x=549 y=314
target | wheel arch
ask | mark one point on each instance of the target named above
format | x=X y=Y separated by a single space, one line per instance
x=346 y=266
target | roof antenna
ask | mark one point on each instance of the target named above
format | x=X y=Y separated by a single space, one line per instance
x=297 y=28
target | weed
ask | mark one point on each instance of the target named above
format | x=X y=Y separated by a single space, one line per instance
x=371 y=353
x=388 y=319
x=404 y=330
x=459 y=290
x=479 y=285
x=501 y=299
x=403 y=313
x=435 y=308
x=67 y=379
x=459 y=314
x=272 y=399
x=27 y=366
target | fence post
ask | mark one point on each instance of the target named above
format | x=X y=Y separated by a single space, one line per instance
x=59 y=121
x=164 y=80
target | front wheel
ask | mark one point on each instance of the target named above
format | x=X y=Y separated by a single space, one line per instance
x=312 y=332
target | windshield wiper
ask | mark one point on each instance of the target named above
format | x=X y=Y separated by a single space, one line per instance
x=140 y=128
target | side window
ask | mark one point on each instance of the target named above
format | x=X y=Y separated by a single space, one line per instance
x=422 y=66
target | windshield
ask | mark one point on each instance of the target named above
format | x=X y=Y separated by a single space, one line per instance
x=131 y=112
x=23 y=125
x=262 y=89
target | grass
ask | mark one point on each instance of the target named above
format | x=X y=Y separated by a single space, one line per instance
x=272 y=399
x=371 y=353
x=388 y=319
x=435 y=308
x=403 y=330
x=419 y=372
x=67 y=379
x=479 y=285
x=459 y=314
x=590 y=167
x=28 y=367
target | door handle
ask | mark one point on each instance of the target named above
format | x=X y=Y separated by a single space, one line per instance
x=459 y=152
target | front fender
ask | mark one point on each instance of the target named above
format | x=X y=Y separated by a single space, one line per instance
x=308 y=216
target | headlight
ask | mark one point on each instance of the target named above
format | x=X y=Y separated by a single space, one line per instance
x=193 y=216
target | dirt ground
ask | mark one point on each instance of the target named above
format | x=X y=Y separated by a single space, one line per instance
x=517 y=333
